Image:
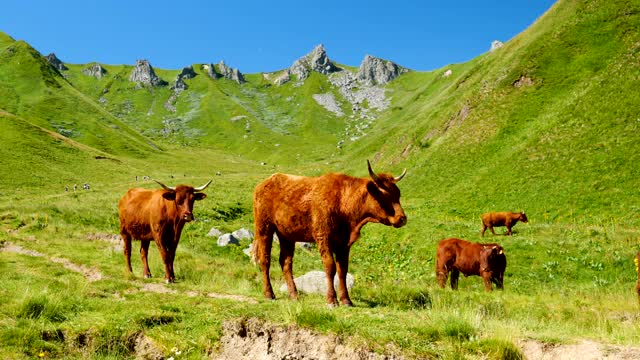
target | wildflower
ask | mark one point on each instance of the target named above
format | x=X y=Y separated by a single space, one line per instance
x=41 y=354
x=174 y=349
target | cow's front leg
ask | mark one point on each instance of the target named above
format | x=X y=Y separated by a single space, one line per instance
x=330 y=272
x=455 y=274
x=486 y=276
x=287 y=248
x=342 y=258
x=164 y=254
x=126 y=239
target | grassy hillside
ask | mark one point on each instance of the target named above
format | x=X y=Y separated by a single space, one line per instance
x=547 y=124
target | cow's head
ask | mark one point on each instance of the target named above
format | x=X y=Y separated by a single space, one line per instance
x=387 y=196
x=523 y=217
x=184 y=196
x=492 y=258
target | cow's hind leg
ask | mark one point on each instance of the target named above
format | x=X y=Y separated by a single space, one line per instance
x=342 y=257
x=441 y=274
x=455 y=274
x=262 y=254
x=329 y=270
x=484 y=228
x=126 y=244
x=144 y=251
x=287 y=248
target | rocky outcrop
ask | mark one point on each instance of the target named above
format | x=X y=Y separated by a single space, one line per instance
x=317 y=60
x=376 y=71
x=230 y=73
x=496 y=44
x=211 y=71
x=143 y=74
x=55 y=62
x=186 y=73
x=96 y=70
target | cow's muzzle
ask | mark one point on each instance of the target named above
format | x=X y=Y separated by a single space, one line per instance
x=400 y=221
x=187 y=217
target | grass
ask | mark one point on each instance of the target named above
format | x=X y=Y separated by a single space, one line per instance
x=564 y=149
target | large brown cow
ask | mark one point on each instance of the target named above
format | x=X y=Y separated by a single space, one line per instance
x=329 y=210
x=457 y=256
x=506 y=218
x=157 y=215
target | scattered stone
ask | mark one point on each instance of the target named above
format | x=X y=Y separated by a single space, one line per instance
x=317 y=60
x=315 y=282
x=230 y=73
x=143 y=74
x=495 y=45
x=243 y=233
x=96 y=70
x=328 y=101
x=227 y=239
x=523 y=81
x=55 y=62
x=214 y=232
x=375 y=71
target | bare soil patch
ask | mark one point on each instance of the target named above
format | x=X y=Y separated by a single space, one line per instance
x=584 y=350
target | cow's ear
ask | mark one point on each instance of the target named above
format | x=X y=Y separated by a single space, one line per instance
x=199 y=196
x=169 y=195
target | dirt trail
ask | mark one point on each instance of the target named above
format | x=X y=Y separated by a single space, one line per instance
x=585 y=350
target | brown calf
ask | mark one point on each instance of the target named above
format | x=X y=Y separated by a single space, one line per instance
x=506 y=218
x=329 y=210
x=157 y=215
x=457 y=256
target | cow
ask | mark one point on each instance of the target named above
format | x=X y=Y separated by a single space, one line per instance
x=157 y=215
x=329 y=210
x=457 y=256
x=637 y=261
x=506 y=218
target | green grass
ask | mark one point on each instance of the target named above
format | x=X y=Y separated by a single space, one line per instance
x=564 y=149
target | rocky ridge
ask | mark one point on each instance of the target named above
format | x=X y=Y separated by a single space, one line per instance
x=230 y=73
x=143 y=74
x=317 y=60
x=376 y=71
x=55 y=62
x=96 y=70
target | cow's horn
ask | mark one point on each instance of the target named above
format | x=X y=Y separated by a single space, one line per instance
x=165 y=186
x=398 y=178
x=373 y=175
x=203 y=186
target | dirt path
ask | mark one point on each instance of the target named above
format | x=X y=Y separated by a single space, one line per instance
x=585 y=350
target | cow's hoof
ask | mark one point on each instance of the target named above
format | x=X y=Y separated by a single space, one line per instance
x=347 y=303
x=148 y=276
x=169 y=281
x=332 y=305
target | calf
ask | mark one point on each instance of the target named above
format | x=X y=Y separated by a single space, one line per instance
x=157 y=215
x=506 y=218
x=457 y=256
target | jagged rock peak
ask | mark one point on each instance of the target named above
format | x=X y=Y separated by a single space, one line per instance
x=96 y=70
x=376 y=71
x=211 y=71
x=186 y=73
x=55 y=62
x=143 y=74
x=317 y=60
x=230 y=73
x=496 y=44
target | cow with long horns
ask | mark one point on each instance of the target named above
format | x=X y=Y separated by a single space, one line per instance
x=329 y=210
x=157 y=215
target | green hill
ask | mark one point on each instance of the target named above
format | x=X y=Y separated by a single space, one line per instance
x=548 y=124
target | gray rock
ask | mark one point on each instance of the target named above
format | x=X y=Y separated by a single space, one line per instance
x=328 y=101
x=227 y=239
x=143 y=74
x=230 y=73
x=283 y=78
x=96 y=70
x=214 y=232
x=186 y=73
x=317 y=60
x=55 y=62
x=315 y=282
x=496 y=44
x=375 y=71
x=211 y=71
x=243 y=234
x=248 y=250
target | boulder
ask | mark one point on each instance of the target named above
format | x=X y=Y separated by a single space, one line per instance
x=315 y=282
x=55 y=62
x=227 y=239
x=230 y=73
x=96 y=70
x=186 y=73
x=214 y=232
x=243 y=234
x=376 y=71
x=143 y=74
x=496 y=44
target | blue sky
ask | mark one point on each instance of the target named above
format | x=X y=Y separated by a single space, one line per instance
x=262 y=36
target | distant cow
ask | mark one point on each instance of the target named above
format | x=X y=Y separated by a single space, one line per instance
x=457 y=256
x=329 y=210
x=157 y=215
x=506 y=218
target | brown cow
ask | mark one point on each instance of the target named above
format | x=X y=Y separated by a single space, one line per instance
x=329 y=210
x=457 y=256
x=637 y=261
x=157 y=215
x=506 y=218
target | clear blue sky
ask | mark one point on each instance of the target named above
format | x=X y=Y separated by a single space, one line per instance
x=257 y=36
